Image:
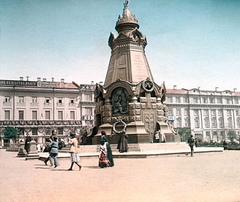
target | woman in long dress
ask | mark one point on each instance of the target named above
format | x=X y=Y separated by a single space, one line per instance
x=109 y=149
x=103 y=159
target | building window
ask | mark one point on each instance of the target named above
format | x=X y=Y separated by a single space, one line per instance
x=196 y=113
x=72 y=115
x=196 y=122
x=229 y=120
x=185 y=100
x=195 y=100
x=88 y=111
x=205 y=112
x=220 y=121
x=21 y=99
x=237 y=112
x=47 y=115
x=170 y=112
x=228 y=112
x=60 y=131
x=178 y=100
x=228 y=101
x=206 y=122
x=21 y=115
x=47 y=100
x=170 y=99
x=179 y=122
x=238 y=122
x=34 y=99
x=7 y=114
x=72 y=101
x=214 y=122
x=7 y=99
x=34 y=115
x=178 y=112
x=34 y=131
x=212 y=100
x=220 y=113
x=205 y=100
x=60 y=115
x=186 y=122
x=236 y=101
x=219 y=100
x=213 y=112
x=87 y=97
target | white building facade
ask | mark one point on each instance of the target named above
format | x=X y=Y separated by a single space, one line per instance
x=36 y=108
x=209 y=114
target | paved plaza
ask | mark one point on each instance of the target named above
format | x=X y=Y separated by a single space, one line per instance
x=205 y=177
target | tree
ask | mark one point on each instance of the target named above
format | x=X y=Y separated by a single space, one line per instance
x=184 y=133
x=232 y=135
x=10 y=133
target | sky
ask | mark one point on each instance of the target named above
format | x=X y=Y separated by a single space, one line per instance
x=191 y=43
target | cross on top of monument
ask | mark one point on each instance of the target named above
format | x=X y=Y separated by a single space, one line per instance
x=126 y=3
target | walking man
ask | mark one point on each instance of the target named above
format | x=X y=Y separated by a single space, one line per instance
x=191 y=142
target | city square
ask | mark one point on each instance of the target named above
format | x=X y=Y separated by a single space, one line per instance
x=178 y=178
x=167 y=130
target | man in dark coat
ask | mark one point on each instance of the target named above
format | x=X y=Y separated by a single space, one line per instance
x=191 y=143
x=27 y=143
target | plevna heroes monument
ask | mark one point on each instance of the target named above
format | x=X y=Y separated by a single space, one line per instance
x=129 y=93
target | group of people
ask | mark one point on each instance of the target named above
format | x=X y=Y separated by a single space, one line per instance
x=105 y=154
x=53 y=148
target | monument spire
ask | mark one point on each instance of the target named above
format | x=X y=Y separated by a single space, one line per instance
x=128 y=61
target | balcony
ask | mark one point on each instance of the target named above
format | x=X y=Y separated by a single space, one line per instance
x=38 y=123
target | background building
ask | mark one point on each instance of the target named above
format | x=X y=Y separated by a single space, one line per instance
x=209 y=114
x=37 y=107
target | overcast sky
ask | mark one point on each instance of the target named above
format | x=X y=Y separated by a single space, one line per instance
x=191 y=43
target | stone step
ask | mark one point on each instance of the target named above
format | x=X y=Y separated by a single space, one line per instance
x=135 y=147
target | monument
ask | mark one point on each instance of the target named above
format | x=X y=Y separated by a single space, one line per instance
x=129 y=95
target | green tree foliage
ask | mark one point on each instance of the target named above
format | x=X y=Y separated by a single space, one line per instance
x=232 y=135
x=10 y=133
x=184 y=133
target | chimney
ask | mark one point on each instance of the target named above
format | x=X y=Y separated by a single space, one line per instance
x=52 y=79
x=38 y=78
x=21 y=78
x=174 y=87
x=92 y=82
x=27 y=77
x=216 y=88
x=234 y=90
x=44 y=79
x=62 y=80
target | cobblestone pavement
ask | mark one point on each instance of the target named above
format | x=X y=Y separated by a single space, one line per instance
x=213 y=177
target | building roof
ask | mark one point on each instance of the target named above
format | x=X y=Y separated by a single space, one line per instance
x=202 y=92
x=38 y=84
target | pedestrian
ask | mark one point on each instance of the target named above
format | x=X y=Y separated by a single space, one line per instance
x=48 y=148
x=191 y=142
x=108 y=146
x=54 y=152
x=74 y=151
x=157 y=137
x=123 y=142
x=27 y=143
x=103 y=160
